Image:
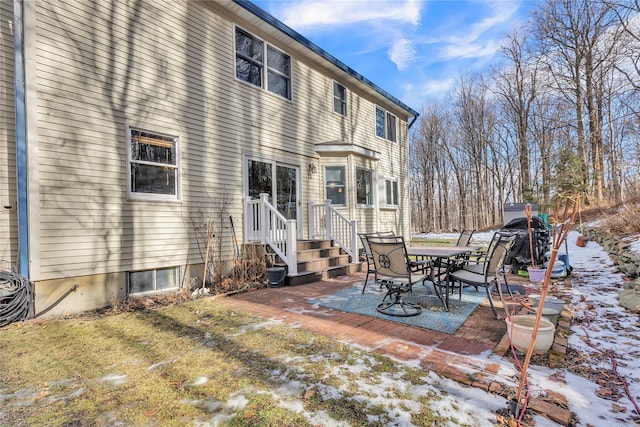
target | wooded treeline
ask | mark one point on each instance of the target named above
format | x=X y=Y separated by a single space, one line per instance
x=559 y=114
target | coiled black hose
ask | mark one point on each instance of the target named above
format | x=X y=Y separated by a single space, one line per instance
x=16 y=296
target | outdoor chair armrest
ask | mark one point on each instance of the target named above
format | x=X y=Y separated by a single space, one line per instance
x=477 y=257
x=419 y=264
x=454 y=264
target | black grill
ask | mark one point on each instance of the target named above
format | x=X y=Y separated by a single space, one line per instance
x=519 y=258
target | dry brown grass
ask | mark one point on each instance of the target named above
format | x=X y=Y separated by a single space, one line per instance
x=622 y=220
x=195 y=363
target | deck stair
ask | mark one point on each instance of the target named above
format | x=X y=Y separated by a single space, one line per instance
x=318 y=259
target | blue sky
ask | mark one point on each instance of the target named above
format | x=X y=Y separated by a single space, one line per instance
x=414 y=49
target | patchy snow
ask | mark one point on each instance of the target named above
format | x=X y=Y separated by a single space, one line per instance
x=602 y=331
x=601 y=325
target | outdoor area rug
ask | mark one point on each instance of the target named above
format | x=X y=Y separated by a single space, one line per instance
x=432 y=317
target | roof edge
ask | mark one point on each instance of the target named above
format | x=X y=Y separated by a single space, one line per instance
x=281 y=26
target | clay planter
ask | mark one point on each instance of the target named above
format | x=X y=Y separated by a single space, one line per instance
x=520 y=330
x=581 y=241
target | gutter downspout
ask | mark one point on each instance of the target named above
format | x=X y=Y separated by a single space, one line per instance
x=413 y=121
x=21 y=139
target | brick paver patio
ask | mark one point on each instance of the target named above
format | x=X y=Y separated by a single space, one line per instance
x=448 y=355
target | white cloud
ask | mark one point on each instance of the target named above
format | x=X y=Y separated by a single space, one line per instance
x=306 y=14
x=438 y=87
x=423 y=89
x=479 y=39
x=402 y=53
x=470 y=50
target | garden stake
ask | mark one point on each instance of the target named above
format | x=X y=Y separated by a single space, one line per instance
x=235 y=239
x=527 y=212
x=206 y=258
x=562 y=225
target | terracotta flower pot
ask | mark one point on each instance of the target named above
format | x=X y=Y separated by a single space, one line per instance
x=581 y=241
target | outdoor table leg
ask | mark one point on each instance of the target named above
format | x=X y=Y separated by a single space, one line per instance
x=438 y=283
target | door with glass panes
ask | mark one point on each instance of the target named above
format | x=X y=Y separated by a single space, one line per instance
x=280 y=181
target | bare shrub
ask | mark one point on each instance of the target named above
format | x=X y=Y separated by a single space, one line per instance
x=247 y=272
x=225 y=272
x=210 y=222
x=625 y=222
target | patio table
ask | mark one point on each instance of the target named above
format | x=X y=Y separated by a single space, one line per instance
x=439 y=253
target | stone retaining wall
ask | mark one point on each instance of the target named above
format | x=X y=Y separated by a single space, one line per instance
x=626 y=261
x=618 y=248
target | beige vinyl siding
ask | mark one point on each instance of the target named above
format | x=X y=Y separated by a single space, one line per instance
x=8 y=194
x=165 y=67
x=86 y=99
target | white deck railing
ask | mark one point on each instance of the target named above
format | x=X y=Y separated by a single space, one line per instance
x=326 y=222
x=264 y=224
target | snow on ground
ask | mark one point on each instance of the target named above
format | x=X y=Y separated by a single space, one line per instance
x=604 y=332
x=599 y=325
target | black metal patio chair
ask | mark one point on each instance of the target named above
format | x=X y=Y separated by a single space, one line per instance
x=486 y=274
x=396 y=272
x=371 y=269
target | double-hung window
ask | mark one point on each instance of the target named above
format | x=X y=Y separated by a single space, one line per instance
x=391 y=192
x=385 y=124
x=364 y=187
x=339 y=99
x=335 y=184
x=153 y=165
x=274 y=74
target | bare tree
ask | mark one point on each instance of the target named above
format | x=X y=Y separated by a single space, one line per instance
x=430 y=167
x=516 y=85
x=475 y=117
x=628 y=14
x=581 y=39
x=557 y=28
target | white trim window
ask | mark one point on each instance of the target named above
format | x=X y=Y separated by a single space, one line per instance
x=339 y=99
x=153 y=171
x=364 y=187
x=391 y=192
x=251 y=65
x=153 y=281
x=385 y=124
x=335 y=185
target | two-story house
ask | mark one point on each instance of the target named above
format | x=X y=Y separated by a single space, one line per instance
x=120 y=118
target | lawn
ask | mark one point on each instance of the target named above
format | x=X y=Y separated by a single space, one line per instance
x=195 y=363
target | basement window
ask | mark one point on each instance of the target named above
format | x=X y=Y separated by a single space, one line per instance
x=153 y=281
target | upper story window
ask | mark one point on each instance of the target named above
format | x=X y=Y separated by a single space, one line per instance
x=153 y=165
x=274 y=74
x=335 y=184
x=391 y=192
x=364 y=186
x=385 y=125
x=339 y=99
